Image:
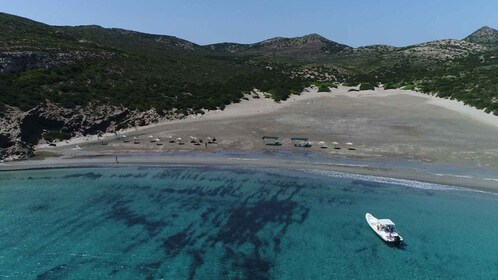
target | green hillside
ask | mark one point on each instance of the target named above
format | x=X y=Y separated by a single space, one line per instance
x=87 y=64
x=484 y=35
x=80 y=65
x=74 y=67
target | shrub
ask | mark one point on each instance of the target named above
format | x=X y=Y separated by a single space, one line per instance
x=279 y=94
x=51 y=136
x=409 y=87
x=323 y=88
x=121 y=126
x=366 y=86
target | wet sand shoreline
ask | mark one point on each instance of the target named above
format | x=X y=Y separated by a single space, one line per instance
x=418 y=172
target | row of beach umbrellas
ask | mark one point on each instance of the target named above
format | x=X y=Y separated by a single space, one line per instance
x=179 y=140
x=324 y=145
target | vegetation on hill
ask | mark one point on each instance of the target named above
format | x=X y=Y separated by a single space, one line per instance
x=138 y=85
x=131 y=69
x=78 y=66
x=472 y=79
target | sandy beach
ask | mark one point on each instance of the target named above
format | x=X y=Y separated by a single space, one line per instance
x=381 y=126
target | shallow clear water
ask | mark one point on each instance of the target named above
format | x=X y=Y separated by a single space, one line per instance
x=227 y=223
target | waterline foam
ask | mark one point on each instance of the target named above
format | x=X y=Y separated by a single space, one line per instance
x=384 y=180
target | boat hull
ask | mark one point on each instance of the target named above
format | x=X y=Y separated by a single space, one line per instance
x=389 y=237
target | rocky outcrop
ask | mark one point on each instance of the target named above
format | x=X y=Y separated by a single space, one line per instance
x=78 y=121
x=20 y=61
x=11 y=145
x=20 y=131
x=18 y=150
x=12 y=62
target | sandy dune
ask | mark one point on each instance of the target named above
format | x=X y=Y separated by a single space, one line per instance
x=381 y=123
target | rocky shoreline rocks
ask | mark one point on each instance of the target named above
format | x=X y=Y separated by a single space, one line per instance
x=20 y=131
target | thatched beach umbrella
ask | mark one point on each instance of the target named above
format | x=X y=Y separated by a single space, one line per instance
x=350 y=146
x=322 y=144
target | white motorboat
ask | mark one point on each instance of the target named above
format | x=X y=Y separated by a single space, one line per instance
x=385 y=228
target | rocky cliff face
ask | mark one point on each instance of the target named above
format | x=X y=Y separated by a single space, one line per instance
x=20 y=131
x=22 y=61
x=11 y=145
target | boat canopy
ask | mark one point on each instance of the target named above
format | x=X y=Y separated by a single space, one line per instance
x=386 y=222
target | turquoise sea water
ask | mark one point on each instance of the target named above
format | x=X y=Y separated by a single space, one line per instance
x=228 y=223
